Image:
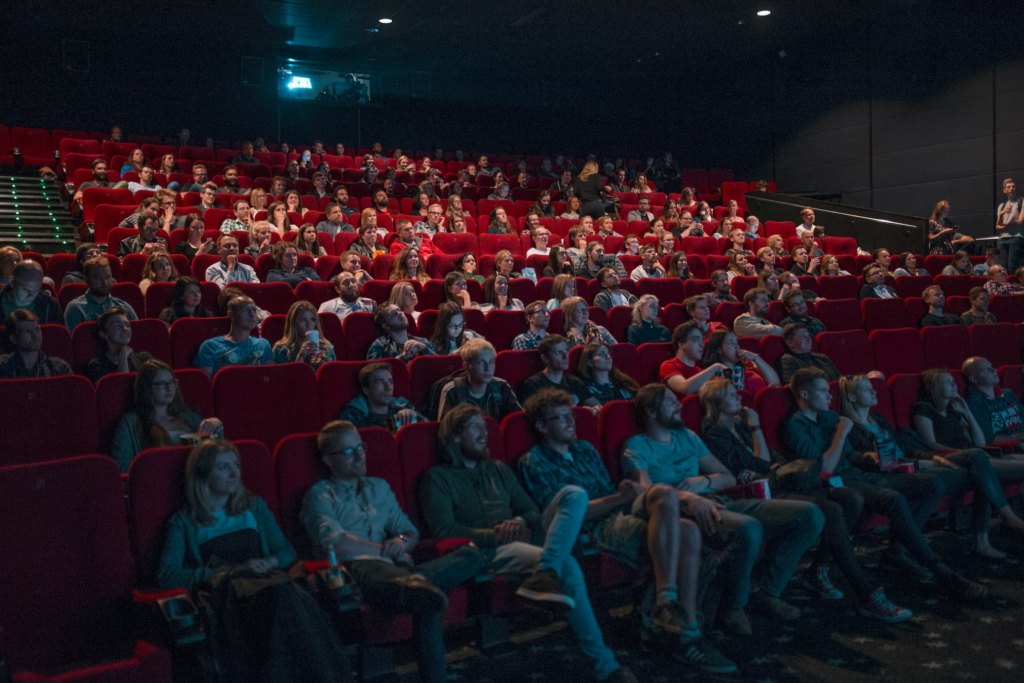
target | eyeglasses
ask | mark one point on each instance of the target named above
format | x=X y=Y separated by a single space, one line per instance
x=456 y=326
x=348 y=452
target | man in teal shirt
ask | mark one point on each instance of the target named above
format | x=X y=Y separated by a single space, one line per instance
x=98 y=299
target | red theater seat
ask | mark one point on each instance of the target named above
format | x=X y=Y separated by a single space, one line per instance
x=850 y=351
x=947 y=346
x=885 y=314
x=188 y=334
x=59 y=415
x=243 y=395
x=897 y=351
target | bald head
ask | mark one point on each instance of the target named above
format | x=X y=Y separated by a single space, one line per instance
x=28 y=270
x=980 y=372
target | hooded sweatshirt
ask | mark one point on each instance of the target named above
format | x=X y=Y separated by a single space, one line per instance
x=464 y=502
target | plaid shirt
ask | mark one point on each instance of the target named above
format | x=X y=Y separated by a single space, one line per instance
x=545 y=472
x=385 y=346
x=233 y=224
x=1003 y=288
x=527 y=341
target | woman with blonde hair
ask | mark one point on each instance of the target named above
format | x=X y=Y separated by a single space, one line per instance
x=159 y=268
x=368 y=217
x=578 y=328
x=941 y=232
x=776 y=244
x=504 y=264
x=408 y=266
x=572 y=208
x=457 y=225
x=830 y=265
x=260 y=241
x=646 y=325
x=564 y=287
x=303 y=340
x=258 y=200
x=496 y=295
x=404 y=296
x=590 y=190
x=455 y=208
x=598 y=372
x=640 y=185
x=277 y=216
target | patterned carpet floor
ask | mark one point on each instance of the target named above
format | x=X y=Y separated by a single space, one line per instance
x=944 y=642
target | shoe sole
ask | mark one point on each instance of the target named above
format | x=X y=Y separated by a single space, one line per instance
x=890 y=620
x=540 y=596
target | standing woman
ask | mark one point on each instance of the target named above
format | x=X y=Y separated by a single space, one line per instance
x=226 y=541
x=295 y=345
x=590 y=190
x=940 y=230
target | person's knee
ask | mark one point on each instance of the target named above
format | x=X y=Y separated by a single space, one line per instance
x=573 y=497
x=689 y=536
x=662 y=498
x=748 y=534
x=812 y=518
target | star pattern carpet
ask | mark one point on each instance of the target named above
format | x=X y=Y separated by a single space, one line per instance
x=945 y=641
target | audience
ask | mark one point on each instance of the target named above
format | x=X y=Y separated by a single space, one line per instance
x=113 y=336
x=496 y=295
x=366 y=244
x=376 y=405
x=874 y=284
x=159 y=267
x=357 y=519
x=554 y=354
x=261 y=239
x=408 y=266
x=238 y=346
x=537 y=318
x=394 y=340
x=650 y=266
x=146 y=242
x=25 y=291
x=910 y=266
x=998 y=285
x=477 y=385
x=577 y=326
x=302 y=340
x=935 y=300
x=978 y=313
x=600 y=376
x=450 y=331
x=720 y=291
x=194 y=242
x=160 y=417
x=335 y=220
x=611 y=293
x=796 y=307
x=186 y=301
x=286 y=260
x=26 y=359
x=807 y=216
x=229 y=269
x=961 y=265
x=754 y=323
x=997 y=410
x=243 y=217
x=798 y=340
x=407 y=239
x=646 y=326
x=90 y=305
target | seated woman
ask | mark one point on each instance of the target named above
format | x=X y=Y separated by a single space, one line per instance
x=909 y=266
x=277 y=216
x=286 y=260
x=572 y=209
x=454 y=208
x=226 y=541
x=945 y=423
x=788 y=281
x=670 y=211
x=738 y=265
x=576 y=325
x=678 y=266
x=961 y=265
x=113 y=336
x=160 y=417
x=408 y=267
x=646 y=326
x=559 y=262
x=504 y=264
x=85 y=252
x=455 y=290
x=703 y=213
x=457 y=225
x=750 y=371
x=186 y=301
x=293 y=202
x=259 y=239
x=540 y=236
x=194 y=243
x=640 y=185
x=450 y=331
x=606 y=227
x=159 y=268
x=466 y=266
x=302 y=340
x=769 y=282
x=258 y=200
x=698 y=309
x=404 y=296
x=733 y=435
x=603 y=380
x=501 y=191
x=776 y=244
x=830 y=266
x=655 y=226
x=496 y=297
x=306 y=242
x=498 y=223
x=564 y=287
x=666 y=244
x=366 y=244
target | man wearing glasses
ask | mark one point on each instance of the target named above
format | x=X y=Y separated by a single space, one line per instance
x=169 y=220
x=208 y=198
x=358 y=517
x=434 y=223
x=538 y=318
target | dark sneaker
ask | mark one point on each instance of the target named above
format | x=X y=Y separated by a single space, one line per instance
x=964 y=589
x=766 y=604
x=702 y=654
x=821 y=584
x=621 y=675
x=419 y=595
x=735 y=623
x=544 y=585
x=667 y=618
x=899 y=560
x=879 y=607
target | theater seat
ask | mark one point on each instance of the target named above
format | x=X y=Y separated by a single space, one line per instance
x=58 y=416
x=518 y=435
x=850 y=351
x=617 y=423
x=773 y=405
x=903 y=393
x=885 y=314
x=424 y=371
x=947 y=346
x=360 y=332
x=838 y=287
x=188 y=334
x=897 y=351
x=1007 y=308
x=515 y=366
x=998 y=343
x=650 y=357
x=65 y=596
x=839 y=315
x=148 y=335
x=244 y=395
x=504 y=326
x=276 y=297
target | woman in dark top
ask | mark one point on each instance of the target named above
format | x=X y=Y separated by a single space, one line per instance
x=604 y=381
x=945 y=423
x=113 y=334
x=185 y=301
x=590 y=190
x=286 y=257
x=559 y=262
x=226 y=541
x=646 y=326
x=194 y=243
x=467 y=266
x=733 y=435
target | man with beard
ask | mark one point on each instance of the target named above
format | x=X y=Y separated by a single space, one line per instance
x=98 y=299
x=394 y=340
x=99 y=179
x=231 y=185
x=380 y=202
x=25 y=290
x=27 y=359
x=146 y=242
x=754 y=323
x=471 y=496
x=348 y=300
x=632 y=523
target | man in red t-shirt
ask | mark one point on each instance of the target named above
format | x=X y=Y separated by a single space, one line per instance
x=683 y=374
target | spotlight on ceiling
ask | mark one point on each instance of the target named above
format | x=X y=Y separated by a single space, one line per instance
x=385 y=21
x=764 y=13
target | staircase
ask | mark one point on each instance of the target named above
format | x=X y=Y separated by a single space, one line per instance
x=33 y=217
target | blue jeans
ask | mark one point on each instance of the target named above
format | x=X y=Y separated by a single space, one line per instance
x=984 y=476
x=787 y=527
x=1011 y=252
x=562 y=521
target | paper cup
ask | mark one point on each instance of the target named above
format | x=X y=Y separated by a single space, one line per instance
x=313 y=336
x=906 y=467
x=760 y=489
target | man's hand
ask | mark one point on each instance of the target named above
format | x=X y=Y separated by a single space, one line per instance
x=412 y=348
x=942 y=462
x=232 y=262
x=813 y=265
x=747 y=476
x=703 y=511
x=845 y=425
x=693 y=484
x=260 y=565
x=209 y=427
x=629 y=490
x=393 y=547
x=512 y=530
x=872 y=456
x=150 y=248
x=405 y=417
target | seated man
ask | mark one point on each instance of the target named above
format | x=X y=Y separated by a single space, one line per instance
x=335 y=221
x=814 y=432
x=593 y=259
x=813 y=250
x=246 y=156
x=650 y=266
x=754 y=323
x=146 y=242
x=341 y=198
x=698 y=309
x=408 y=238
x=99 y=179
x=357 y=519
x=611 y=293
x=229 y=293
x=352 y=262
x=348 y=300
x=798 y=341
x=642 y=211
x=432 y=225
x=238 y=346
x=394 y=340
x=998 y=283
x=25 y=290
x=231 y=185
x=199 y=179
x=626 y=521
x=554 y=353
x=883 y=260
x=537 y=317
x=667 y=453
x=208 y=198
x=243 y=217
x=807 y=215
x=146 y=180
x=320 y=188
x=682 y=373
x=721 y=291
x=796 y=307
x=377 y=405
x=803 y=264
x=874 y=284
x=991 y=259
x=509 y=529
x=229 y=269
x=27 y=360
x=936 y=316
x=978 y=313
x=479 y=386
x=98 y=299
x=998 y=411
x=737 y=241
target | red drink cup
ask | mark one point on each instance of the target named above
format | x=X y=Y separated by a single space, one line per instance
x=760 y=489
x=906 y=467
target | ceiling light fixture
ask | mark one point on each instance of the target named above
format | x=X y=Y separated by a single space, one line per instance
x=764 y=13
x=385 y=21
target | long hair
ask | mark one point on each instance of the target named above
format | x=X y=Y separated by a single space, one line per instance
x=440 y=338
x=734 y=267
x=673 y=266
x=299 y=242
x=558 y=286
x=713 y=349
x=501 y=256
x=847 y=387
x=399 y=271
x=712 y=397
x=151 y=433
x=490 y=295
x=149 y=270
x=929 y=388
x=585 y=370
x=460 y=265
x=492 y=221
x=939 y=208
x=177 y=303
x=198 y=470
x=290 y=338
x=258 y=193
x=397 y=296
x=568 y=306
x=270 y=217
x=553 y=264
x=826 y=260
x=637 y=317
x=449 y=281
x=589 y=169
x=279 y=251
x=190 y=220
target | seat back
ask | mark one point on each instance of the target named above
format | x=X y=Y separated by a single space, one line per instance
x=838 y=287
x=1007 y=309
x=518 y=436
x=839 y=315
x=188 y=334
x=885 y=314
x=515 y=366
x=243 y=395
x=650 y=357
x=773 y=405
x=617 y=423
x=912 y=285
x=338 y=384
x=148 y=335
x=946 y=346
x=57 y=418
x=897 y=351
x=850 y=351
x=992 y=342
